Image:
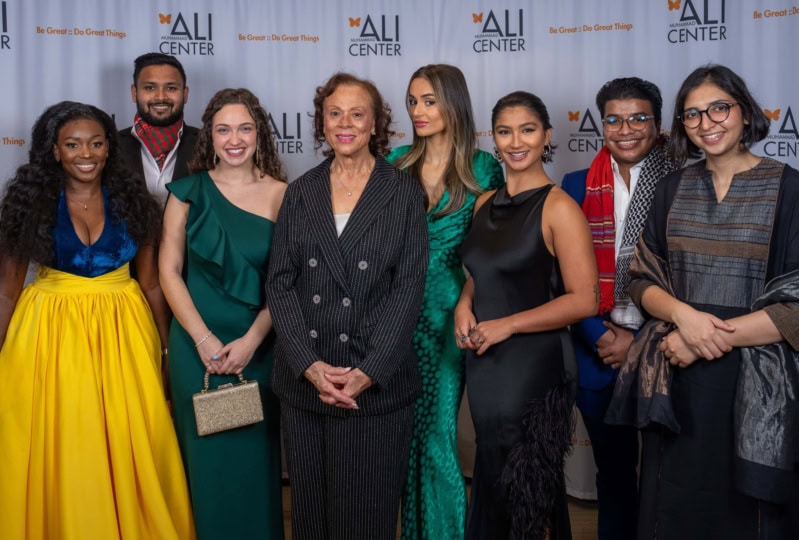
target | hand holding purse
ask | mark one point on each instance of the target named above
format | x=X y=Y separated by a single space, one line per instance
x=228 y=406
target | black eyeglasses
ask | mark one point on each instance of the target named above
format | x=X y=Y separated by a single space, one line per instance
x=637 y=122
x=718 y=111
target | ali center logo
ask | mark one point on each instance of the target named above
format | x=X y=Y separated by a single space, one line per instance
x=287 y=128
x=5 y=39
x=785 y=142
x=190 y=34
x=700 y=20
x=377 y=35
x=587 y=138
x=500 y=31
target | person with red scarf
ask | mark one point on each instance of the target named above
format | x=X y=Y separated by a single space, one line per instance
x=159 y=144
x=616 y=192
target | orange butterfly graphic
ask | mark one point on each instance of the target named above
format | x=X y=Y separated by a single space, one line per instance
x=772 y=115
x=674 y=5
x=574 y=116
x=165 y=19
x=354 y=22
x=477 y=17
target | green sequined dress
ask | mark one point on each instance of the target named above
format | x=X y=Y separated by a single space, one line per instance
x=434 y=501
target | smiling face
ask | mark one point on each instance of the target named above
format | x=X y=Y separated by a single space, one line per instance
x=233 y=133
x=82 y=149
x=159 y=95
x=348 y=120
x=628 y=146
x=424 y=109
x=715 y=139
x=520 y=138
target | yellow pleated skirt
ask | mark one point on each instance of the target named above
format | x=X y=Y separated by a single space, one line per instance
x=87 y=446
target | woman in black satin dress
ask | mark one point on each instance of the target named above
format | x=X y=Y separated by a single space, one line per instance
x=533 y=273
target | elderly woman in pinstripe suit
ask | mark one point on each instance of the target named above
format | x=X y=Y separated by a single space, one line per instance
x=346 y=279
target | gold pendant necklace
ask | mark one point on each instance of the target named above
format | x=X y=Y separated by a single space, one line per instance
x=84 y=205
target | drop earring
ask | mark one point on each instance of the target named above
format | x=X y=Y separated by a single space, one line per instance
x=546 y=157
x=496 y=155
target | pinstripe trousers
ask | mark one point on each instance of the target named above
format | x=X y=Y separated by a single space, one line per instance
x=346 y=473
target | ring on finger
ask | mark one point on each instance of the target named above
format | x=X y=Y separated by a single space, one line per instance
x=472 y=330
x=480 y=341
x=463 y=337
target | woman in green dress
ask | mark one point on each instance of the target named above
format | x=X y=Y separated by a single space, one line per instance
x=445 y=159
x=217 y=234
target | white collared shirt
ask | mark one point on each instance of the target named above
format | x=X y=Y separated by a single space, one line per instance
x=155 y=178
x=628 y=315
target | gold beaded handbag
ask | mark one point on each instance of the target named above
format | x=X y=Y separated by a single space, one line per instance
x=227 y=406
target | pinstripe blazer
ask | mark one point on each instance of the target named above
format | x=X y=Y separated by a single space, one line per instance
x=351 y=300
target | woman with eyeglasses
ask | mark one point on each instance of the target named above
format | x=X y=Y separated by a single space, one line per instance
x=725 y=334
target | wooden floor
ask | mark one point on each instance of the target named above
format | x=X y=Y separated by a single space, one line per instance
x=583 y=517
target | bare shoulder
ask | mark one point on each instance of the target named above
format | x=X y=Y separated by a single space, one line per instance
x=274 y=190
x=560 y=201
x=482 y=199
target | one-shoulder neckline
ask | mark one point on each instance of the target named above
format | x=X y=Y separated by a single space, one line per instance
x=230 y=203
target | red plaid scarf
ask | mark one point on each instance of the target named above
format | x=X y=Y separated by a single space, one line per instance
x=158 y=140
x=598 y=209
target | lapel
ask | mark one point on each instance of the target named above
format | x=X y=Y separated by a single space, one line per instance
x=131 y=150
x=382 y=186
x=315 y=189
x=185 y=150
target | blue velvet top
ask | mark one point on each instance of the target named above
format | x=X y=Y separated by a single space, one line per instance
x=112 y=249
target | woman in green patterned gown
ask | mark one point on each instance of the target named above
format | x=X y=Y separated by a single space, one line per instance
x=445 y=159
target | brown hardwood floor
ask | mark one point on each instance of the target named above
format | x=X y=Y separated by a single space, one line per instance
x=582 y=513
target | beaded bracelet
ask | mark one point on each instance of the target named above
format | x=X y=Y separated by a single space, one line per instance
x=203 y=340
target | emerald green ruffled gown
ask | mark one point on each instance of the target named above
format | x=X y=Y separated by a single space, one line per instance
x=434 y=501
x=234 y=476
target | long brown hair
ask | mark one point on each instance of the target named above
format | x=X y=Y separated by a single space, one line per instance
x=452 y=96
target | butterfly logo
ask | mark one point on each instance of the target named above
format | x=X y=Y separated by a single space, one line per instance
x=355 y=22
x=477 y=17
x=574 y=116
x=674 y=5
x=772 y=115
x=165 y=19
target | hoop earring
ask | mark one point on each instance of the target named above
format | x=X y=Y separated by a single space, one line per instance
x=546 y=157
x=216 y=159
x=496 y=155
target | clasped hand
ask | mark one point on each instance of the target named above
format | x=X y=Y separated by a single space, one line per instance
x=469 y=334
x=612 y=346
x=230 y=359
x=698 y=335
x=338 y=386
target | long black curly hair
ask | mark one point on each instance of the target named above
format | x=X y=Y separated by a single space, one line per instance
x=29 y=206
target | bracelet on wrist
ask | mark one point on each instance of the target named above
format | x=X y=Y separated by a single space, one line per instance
x=203 y=340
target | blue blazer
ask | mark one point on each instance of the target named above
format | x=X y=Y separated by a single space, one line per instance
x=594 y=375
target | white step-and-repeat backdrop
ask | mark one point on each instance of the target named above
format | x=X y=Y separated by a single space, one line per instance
x=562 y=50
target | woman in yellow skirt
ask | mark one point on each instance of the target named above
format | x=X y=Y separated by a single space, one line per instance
x=87 y=445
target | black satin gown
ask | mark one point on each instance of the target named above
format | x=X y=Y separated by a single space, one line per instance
x=519 y=391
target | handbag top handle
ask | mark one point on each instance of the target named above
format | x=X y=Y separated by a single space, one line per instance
x=207 y=377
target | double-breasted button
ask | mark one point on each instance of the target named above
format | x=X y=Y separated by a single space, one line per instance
x=313 y=334
x=346 y=302
x=344 y=338
x=363 y=265
x=316 y=299
x=312 y=262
